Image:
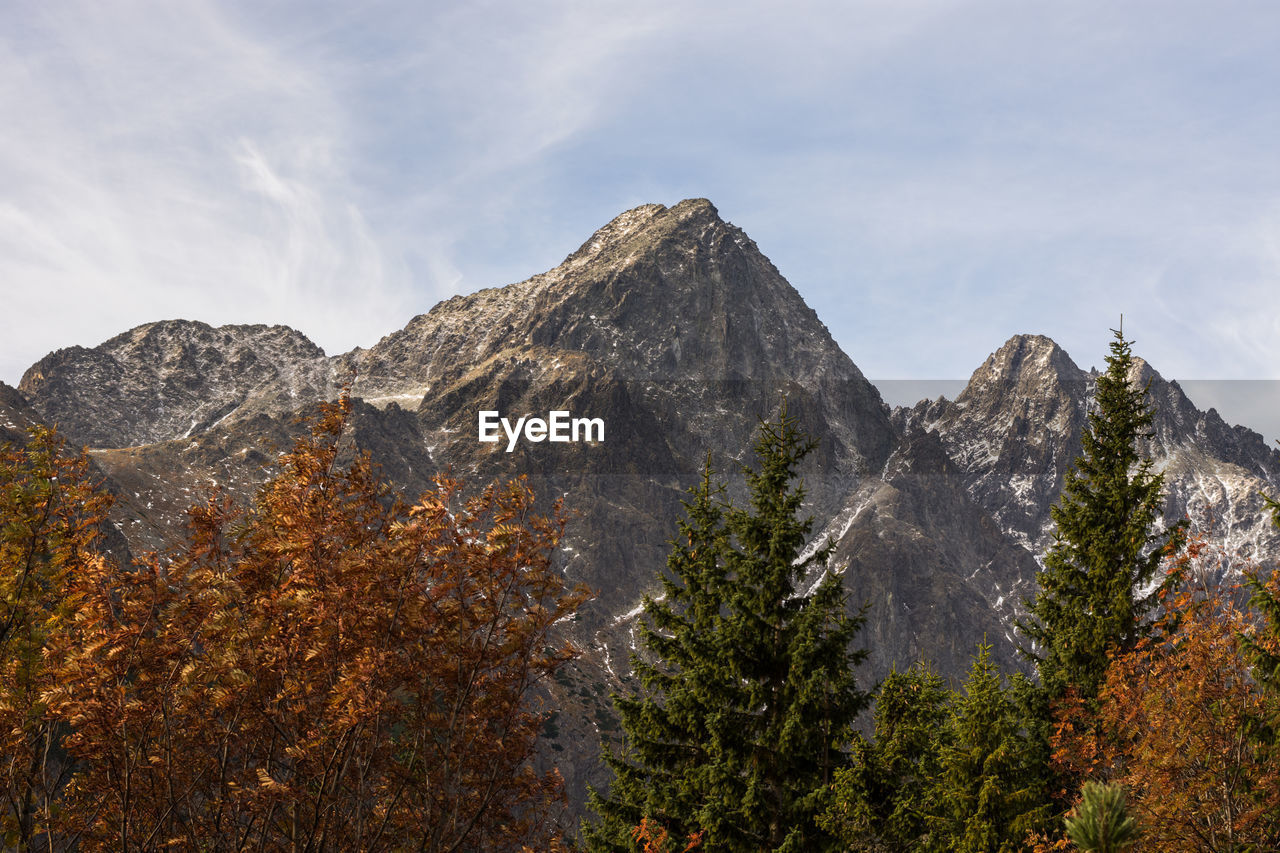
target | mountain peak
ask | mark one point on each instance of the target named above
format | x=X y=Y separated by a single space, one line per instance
x=1141 y=373
x=1026 y=365
x=630 y=233
x=696 y=208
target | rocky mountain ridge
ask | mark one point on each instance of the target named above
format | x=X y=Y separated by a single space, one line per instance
x=671 y=326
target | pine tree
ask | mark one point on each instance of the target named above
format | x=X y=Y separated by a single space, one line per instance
x=749 y=692
x=910 y=713
x=884 y=801
x=1093 y=591
x=989 y=792
x=1101 y=823
x=663 y=777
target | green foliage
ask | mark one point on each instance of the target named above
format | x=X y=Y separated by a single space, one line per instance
x=989 y=792
x=747 y=684
x=1102 y=823
x=663 y=776
x=947 y=771
x=1106 y=548
x=1263 y=648
x=883 y=802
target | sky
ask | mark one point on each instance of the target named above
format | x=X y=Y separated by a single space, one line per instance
x=932 y=177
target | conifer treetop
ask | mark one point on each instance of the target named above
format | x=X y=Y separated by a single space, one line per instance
x=1097 y=586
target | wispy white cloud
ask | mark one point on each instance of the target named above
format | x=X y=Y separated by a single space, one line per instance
x=169 y=162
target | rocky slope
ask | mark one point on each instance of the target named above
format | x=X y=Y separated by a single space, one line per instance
x=16 y=415
x=930 y=563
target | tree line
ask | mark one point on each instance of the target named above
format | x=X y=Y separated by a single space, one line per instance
x=332 y=668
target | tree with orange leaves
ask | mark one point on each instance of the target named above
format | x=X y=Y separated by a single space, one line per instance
x=50 y=515
x=1174 y=726
x=656 y=838
x=331 y=670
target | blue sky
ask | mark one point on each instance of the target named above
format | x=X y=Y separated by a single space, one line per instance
x=933 y=177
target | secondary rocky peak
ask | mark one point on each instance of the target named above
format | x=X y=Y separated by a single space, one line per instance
x=163 y=380
x=1013 y=432
x=1141 y=373
x=1027 y=365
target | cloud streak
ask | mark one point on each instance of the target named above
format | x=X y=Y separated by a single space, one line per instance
x=170 y=163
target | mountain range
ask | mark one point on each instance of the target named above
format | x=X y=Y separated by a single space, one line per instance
x=674 y=329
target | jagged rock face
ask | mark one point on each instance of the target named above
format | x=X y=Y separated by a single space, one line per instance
x=1015 y=429
x=169 y=379
x=16 y=416
x=675 y=306
x=935 y=571
x=1215 y=474
x=1013 y=432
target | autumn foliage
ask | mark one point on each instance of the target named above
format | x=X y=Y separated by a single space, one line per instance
x=50 y=515
x=1176 y=726
x=329 y=670
x=654 y=838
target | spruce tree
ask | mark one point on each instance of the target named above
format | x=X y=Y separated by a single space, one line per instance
x=662 y=775
x=910 y=714
x=884 y=802
x=748 y=690
x=1094 y=590
x=989 y=791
